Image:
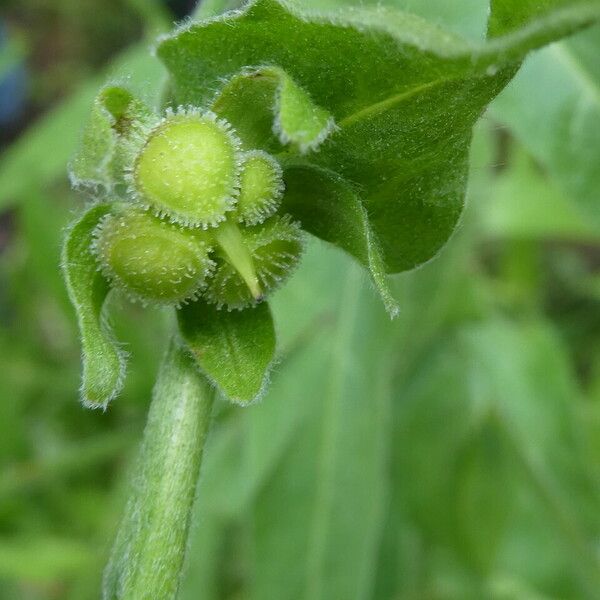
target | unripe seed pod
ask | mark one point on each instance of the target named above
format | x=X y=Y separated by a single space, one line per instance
x=188 y=169
x=261 y=187
x=275 y=247
x=151 y=260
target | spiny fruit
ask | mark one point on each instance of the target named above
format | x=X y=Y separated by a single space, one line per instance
x=151 y=260
x=253 y=261
x=261 y=187
x=187 y=172
x=188 y=169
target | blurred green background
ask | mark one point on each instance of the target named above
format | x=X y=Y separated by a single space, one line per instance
x=451 y=454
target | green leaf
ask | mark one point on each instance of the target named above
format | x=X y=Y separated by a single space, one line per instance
x=269 y=110
x=106 y=141
x=330 y=209
x=234 y=349
x=304 y=316
x=247 y=447
x=499 y=394
x=103 y=360
x=483 y=494
x=328 y=494
x=201 y=576
x=561 y=86
x=404 y=95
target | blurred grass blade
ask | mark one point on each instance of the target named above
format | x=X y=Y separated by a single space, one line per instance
x=328 y=494
x=526 y=204
x=43 y=559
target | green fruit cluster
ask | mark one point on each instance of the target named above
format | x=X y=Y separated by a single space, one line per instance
x=202 y=218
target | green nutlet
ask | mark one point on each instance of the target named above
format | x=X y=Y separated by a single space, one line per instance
x=188 y=169
x=257 y=262
x=261 y=187
x=151 y=260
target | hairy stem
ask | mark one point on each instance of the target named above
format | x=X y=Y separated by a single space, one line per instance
x=148 y=553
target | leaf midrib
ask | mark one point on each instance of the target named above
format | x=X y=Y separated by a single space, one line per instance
x=388 y=103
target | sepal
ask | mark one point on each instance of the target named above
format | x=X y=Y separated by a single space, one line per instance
x=271 y=111
x=103 y=359
x=109 y=139
x=235 y=350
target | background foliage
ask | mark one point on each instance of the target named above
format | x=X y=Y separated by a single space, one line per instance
x=450 y=454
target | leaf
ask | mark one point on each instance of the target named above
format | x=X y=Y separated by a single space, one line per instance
x=234 y=349
x=507 y=386
x=560 y=85
x=91 y=164
x=103 y=361
x=102 y=155
x=329 y=492
x=483 y=495
x=467 y=18
x=304 y=314
x=265 y=103
x=330 y=209
x=246 y=448
x=269 y=111
x=404 y=95
x=201 y=575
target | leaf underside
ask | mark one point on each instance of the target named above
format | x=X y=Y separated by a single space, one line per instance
x=331 y=210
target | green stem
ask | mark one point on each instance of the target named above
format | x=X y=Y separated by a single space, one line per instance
x=148 y=553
